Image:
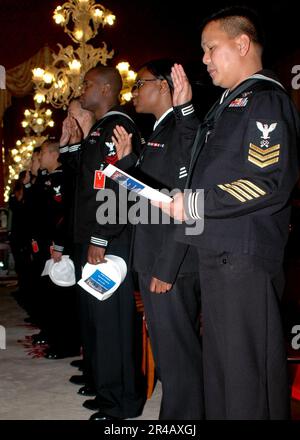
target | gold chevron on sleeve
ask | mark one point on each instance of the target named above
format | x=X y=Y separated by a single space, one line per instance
x=262 y=150
x=232 y=192
x=263 y=158
x=239 y=190
x=243 y=190
x=246 y=189
x=263 y=164
x=251 y=185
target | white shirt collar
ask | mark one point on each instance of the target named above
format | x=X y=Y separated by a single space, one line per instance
x=162 y=117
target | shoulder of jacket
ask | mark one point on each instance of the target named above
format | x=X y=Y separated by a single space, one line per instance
x=267 y=86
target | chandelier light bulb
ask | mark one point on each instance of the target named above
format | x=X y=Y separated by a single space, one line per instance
x=58 y=18
x=60 y=83
x=127 y=96
x=39 y=98
x=48 y=77
x=110 y=19
x=98 y=13
x=38 y=74
x=131 y=75
x=123 y=67
x=75 y=66
x=78 y=34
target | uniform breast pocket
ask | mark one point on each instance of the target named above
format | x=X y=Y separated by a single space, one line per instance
x=152 y=153
x=223 y=152
x=155 y=150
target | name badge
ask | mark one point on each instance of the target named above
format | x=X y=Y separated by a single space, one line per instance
x=99 y=180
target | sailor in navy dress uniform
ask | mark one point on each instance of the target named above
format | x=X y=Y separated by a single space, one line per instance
x=245 y=159
x=172 y=316
x=108 y=327
x=247 y=183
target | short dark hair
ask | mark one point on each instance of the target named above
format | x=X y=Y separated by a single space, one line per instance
x=36 y=150
x=52 y=146
x=236 y=20
x=161 y=69
x=22 y=174
x=112 y=76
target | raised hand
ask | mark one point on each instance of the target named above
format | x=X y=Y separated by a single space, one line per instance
x=122 y=141
x=75 y=130
x=65 y=133
x=182 y=88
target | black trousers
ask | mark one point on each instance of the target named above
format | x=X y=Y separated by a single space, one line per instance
x=110 y=336
x=244 y=359
x=173 y=324
x=40 y=293
x=61 y=321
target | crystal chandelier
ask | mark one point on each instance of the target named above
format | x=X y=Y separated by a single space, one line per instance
x=59 y=83
x=37 y=120
x=20 y=159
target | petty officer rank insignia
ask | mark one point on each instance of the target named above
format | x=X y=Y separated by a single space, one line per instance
x=111 y=153
x=155 y=145
x=57 y=193
x=264 y=138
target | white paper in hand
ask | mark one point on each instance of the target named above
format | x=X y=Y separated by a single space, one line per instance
x=133 y=184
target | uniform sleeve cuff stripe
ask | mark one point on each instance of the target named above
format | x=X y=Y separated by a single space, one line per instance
x=192 y=206
x=99 y=241
x=64 y=149
x=188 y=113
x=187 y=110
x=196 y=206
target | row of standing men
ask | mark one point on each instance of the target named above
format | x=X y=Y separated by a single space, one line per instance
x=243 y=161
